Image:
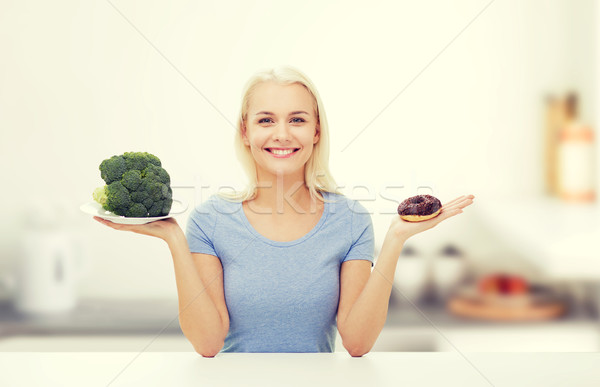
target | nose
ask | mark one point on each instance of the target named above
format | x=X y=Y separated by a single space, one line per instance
x=282 y=132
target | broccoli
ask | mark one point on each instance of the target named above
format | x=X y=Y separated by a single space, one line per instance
x=136 y=186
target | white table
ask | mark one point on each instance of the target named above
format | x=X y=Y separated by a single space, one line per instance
x=287 y=369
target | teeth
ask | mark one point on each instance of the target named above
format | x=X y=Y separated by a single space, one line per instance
x=281 y=152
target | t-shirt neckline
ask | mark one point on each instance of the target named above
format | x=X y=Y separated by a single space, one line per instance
x=263 y=238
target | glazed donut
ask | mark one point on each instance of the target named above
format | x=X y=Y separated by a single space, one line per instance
x=419 y=208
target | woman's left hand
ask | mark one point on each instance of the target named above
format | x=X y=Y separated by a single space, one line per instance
x=402 y=230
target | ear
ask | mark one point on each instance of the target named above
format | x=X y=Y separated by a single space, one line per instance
x=317 y=135
x=244 y=137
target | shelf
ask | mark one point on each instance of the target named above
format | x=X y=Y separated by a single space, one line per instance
x=561 y=239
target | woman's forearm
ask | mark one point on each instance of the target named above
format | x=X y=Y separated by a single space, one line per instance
x=199 y=318
x=366 y=318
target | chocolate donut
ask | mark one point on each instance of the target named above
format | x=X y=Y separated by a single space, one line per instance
x=419 y=208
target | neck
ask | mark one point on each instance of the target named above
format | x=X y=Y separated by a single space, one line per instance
x=284 y=194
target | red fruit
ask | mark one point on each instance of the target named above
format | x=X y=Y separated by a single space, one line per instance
x=517 y=285
x=504 y=284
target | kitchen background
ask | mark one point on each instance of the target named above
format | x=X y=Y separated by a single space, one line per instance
x=462 y=97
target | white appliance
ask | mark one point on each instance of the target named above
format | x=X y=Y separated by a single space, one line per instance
x=47 y=271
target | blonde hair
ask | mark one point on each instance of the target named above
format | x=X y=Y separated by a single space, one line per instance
x=317 y=176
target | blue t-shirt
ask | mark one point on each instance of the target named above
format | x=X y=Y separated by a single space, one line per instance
x=281 y=296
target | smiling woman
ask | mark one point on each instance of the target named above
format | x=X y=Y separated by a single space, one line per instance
x=282 y=264
x=295 y=254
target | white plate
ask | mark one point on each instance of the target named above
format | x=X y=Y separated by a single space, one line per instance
x=95 y=209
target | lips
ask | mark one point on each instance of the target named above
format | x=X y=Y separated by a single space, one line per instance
x=291 y=152
x=283 y=149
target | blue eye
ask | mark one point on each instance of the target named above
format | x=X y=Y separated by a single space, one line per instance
x=269 y=120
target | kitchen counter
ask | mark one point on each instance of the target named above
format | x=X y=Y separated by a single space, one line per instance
x=95 y=316
x=128 y=325
x=299 y=369
x=153 y=316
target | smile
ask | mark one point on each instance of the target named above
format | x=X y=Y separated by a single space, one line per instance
x=282 y=153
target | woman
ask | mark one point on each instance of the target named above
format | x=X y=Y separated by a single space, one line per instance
x=280 y=265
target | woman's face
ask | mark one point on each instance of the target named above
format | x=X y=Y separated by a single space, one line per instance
x=281 y=118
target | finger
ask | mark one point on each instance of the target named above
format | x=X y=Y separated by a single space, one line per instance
x=448 y=214
x=116 y=226
x=455 y=207
x=462 y=203
x=108 y=223
x=459 y=199
x=458 y=207
x=103 y=221
x=454 y=201
x=466 y=203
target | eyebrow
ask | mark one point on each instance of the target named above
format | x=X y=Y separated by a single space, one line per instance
x=272 y=114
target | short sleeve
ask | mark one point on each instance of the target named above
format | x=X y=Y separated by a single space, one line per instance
x=362 y=235
x=200 y=228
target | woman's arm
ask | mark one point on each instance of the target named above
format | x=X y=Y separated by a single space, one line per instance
x=365 y=294
x=364 y=299
x=203 y=315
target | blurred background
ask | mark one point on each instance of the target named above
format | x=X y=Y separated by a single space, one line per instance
x=493 y=98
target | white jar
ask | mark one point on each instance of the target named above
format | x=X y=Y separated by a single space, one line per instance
x=410 y=278
x=447 y=271
x=576 y=157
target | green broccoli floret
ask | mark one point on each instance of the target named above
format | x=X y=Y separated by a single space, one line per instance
x=136 y=186
x=132 y=179
x=112 y=169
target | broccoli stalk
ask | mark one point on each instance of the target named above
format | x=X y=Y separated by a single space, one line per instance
x=99 y=195
x=136 y=186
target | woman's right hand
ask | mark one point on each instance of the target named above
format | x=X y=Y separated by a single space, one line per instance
x=163 y=229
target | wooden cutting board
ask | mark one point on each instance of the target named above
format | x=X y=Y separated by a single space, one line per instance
x=506 y=308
